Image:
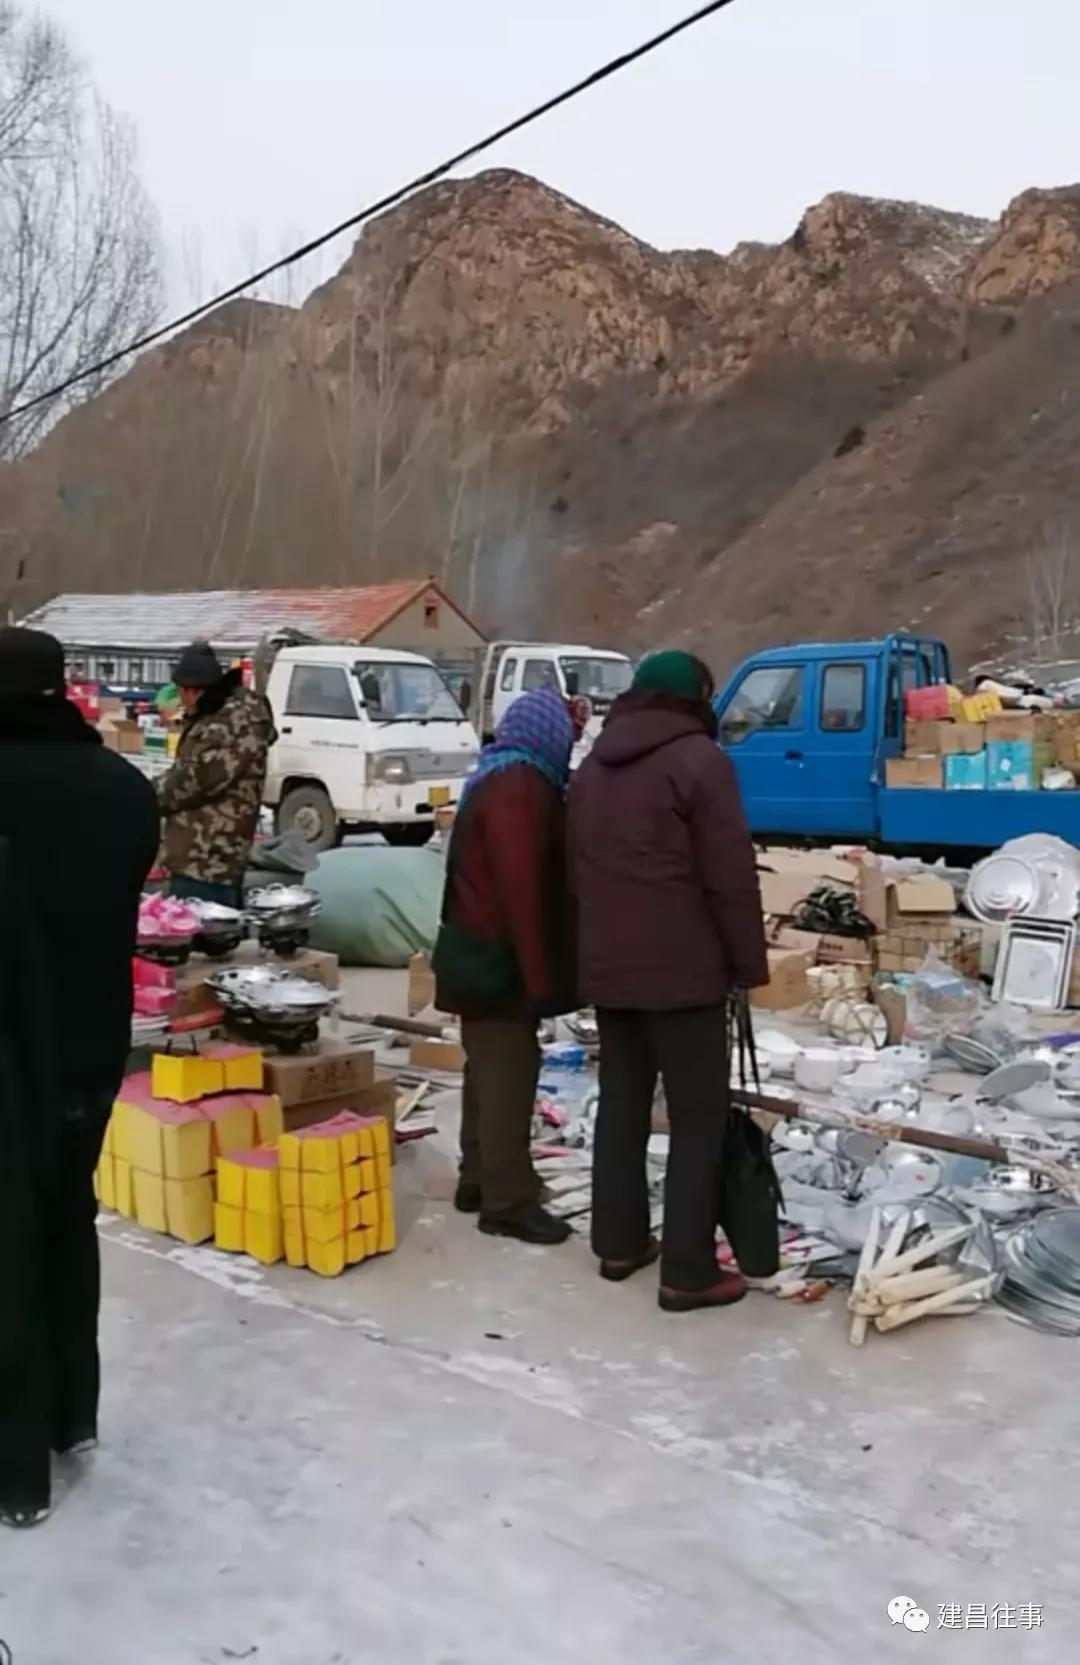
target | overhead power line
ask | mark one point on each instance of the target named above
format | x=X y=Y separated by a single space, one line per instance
x=430 y=178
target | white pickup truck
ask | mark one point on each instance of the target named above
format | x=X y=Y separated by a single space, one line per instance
x=367 y=738
x=515 y=668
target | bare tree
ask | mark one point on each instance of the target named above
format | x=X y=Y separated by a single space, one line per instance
x=78 y=238
x=1053 y=584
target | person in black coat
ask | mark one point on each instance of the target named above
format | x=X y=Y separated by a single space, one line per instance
x=79 y=826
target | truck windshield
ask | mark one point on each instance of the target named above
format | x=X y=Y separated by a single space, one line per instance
x=597 y=679
x=399 y=693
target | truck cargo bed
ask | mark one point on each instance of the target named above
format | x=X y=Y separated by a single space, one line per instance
x=974 y=820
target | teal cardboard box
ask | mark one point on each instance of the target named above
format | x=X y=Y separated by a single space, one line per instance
x=1010 y=765
x=966 y=772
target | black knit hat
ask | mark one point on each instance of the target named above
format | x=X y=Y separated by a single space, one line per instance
x=31 y=662
x=198 y=667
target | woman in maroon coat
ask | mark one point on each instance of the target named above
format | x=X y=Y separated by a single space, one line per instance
x=670 y=925
x=504 y=958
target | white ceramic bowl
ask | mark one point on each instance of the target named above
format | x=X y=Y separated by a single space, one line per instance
x=817 y=1069
x=778 y=1050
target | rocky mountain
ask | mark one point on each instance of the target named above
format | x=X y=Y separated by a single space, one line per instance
x=866 y=426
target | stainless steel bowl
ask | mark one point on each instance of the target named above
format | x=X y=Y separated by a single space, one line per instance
x=271 y=993
x=215 y=918
x=283 y=905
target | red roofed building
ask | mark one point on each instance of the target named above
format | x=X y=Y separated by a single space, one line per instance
x=133 y=640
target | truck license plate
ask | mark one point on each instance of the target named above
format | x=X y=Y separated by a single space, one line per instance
x=438 y=796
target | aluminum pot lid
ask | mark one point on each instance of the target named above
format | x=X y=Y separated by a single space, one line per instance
x=1002 y=886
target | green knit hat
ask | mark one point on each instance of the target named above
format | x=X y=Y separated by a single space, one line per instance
x=673 y=672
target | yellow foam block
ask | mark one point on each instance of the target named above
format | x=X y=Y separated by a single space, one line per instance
x=322 y=1190
x=263 y=1195
x=107 y=1142
x=167 y=1139
x=229 y=1228
x=325 y=1155
x=187 y=1150
x=249 y=1180
x=105 y=1181
x=324 y=1225
x=371 y=1240
x=264 y=1237
x=383 y=1173
x=380 y=1134
x=294 y=1238
x=371 y=1135
x=185 y=1077
x=269 y=1117
x=150 y=1200
x=369 y=1174
x=231 y=1187
x=387 y=1226
x=125 y=1189
x=368 y=1209
x=143 y=1141
x=189 y=1209
x=328 y=1259
x=243 y=1066
x=244 y=1072
x=289 y=1150
x=289 y=1180
x=118 y=1131
x=232 y=1124
x=355 y=1248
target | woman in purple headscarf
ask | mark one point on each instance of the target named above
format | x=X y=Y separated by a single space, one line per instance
x=505 y=956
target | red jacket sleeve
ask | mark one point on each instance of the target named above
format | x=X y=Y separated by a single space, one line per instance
x=728 y=871
x=517 y=840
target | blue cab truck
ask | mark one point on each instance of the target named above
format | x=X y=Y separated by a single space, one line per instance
x=809 y=730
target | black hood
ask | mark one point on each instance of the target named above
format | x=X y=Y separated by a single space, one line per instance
x=44 y=717
x=642 y=721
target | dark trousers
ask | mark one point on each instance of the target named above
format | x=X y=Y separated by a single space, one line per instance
x=202 y=890
x=501 y=1073
x=50 y=1368
x=689 y=1051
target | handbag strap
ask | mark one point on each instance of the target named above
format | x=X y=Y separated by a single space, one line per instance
x=741 y=1040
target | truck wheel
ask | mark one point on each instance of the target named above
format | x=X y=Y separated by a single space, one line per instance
x=410 y=837
x=307 y=811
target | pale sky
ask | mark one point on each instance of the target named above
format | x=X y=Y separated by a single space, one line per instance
x=261 y=121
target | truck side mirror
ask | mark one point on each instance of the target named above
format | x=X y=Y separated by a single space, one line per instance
x=573 y=684
x=465 y=696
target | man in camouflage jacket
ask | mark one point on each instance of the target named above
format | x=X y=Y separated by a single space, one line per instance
x=210 y=798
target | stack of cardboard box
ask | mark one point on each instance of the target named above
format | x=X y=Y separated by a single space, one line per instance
x=787 y=878
x=1002 y=751
x=331 y=1076
x=914 y=915
x=446 y=1053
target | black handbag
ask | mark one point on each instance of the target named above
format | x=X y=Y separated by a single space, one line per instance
x=750 y=1198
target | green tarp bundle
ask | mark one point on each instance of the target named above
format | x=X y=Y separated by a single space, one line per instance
x=379 y=906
